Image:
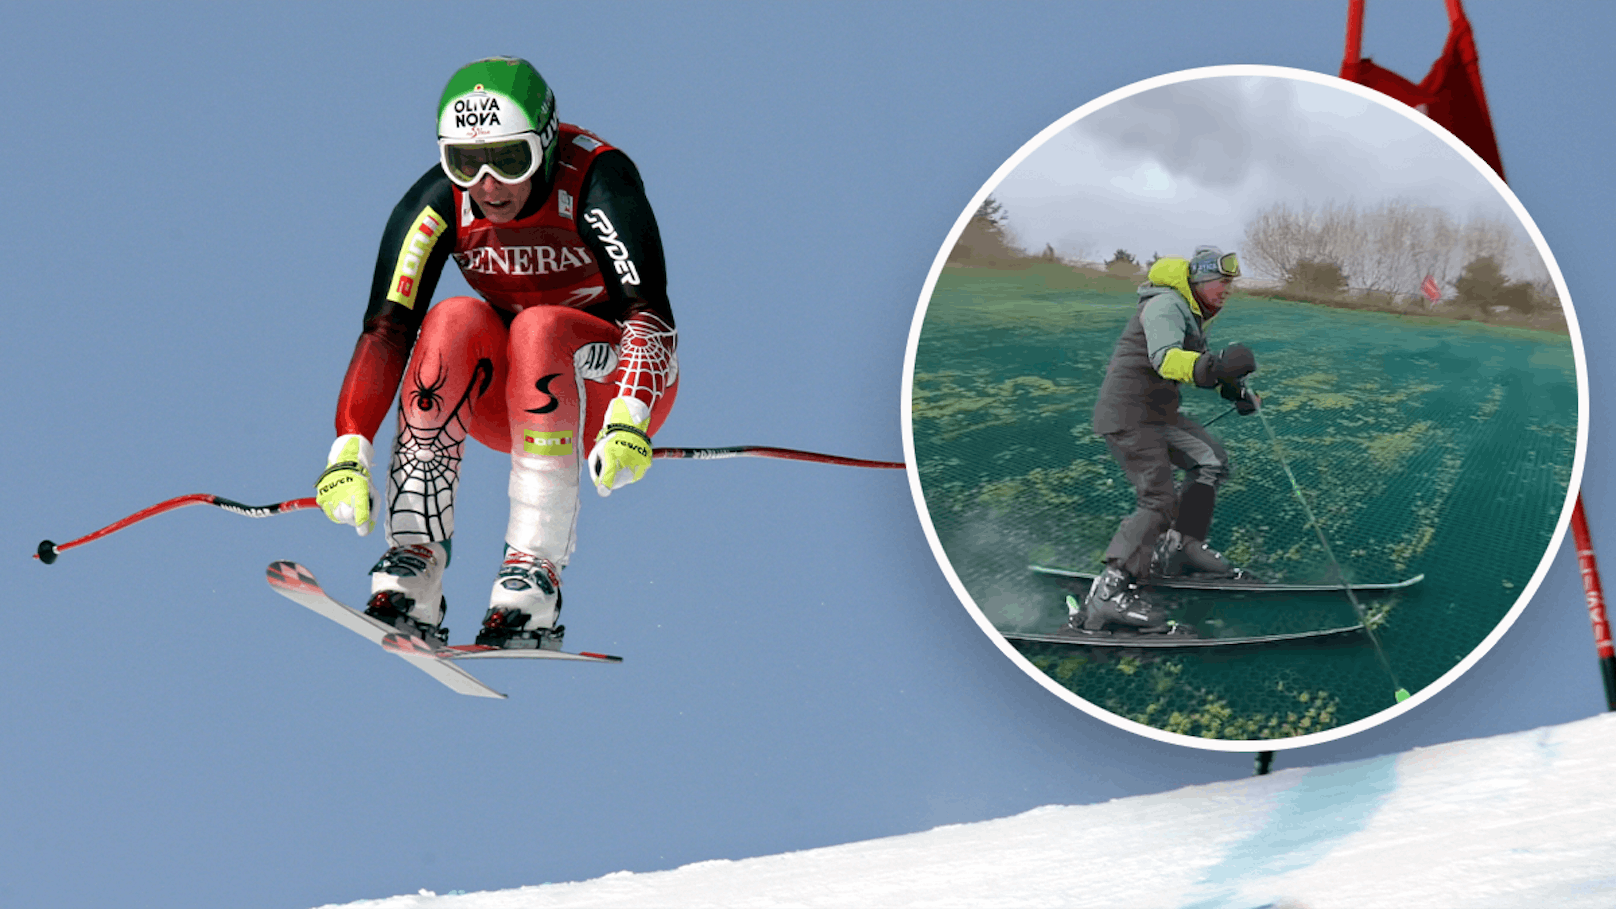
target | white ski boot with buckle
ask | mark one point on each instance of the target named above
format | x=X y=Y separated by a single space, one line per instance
x=524 y=605
x=406 y=589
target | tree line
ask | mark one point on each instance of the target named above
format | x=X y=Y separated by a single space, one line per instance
x=1390 y=249
x=1338 y=254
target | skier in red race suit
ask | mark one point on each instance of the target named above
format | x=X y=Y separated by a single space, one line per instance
x=569 y=350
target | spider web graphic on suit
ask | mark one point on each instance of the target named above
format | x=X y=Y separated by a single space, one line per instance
x=647 y=361
x=425 y=469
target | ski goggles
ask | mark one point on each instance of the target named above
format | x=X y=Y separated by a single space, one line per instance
x=1226 y=266
x=507 y=160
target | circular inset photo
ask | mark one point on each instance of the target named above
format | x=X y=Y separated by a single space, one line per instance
x=1244 y=408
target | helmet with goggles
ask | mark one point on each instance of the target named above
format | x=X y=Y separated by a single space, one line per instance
x=497 y=116
x=1212 y=264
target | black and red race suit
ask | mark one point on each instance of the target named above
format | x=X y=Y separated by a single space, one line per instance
x=587 y=241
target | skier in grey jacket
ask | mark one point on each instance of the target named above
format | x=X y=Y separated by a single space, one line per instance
x=1163 y=346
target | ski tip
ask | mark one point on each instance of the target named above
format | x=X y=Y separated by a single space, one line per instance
x=601 y=656
x=286 y=574
x=1402 y=695
x=46 y=552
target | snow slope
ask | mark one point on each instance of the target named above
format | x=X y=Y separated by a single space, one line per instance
x=1519 y=820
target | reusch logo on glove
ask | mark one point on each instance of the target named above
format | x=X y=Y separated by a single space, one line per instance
x=337 y=483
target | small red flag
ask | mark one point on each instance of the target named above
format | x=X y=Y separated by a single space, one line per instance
x=1429 y=288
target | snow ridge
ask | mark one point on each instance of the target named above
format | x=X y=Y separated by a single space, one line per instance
x=1517 y=820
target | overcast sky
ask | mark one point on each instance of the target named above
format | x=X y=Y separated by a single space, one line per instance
x=1175 y=166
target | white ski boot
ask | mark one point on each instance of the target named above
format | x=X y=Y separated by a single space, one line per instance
x=524 y=605
x=406 y=589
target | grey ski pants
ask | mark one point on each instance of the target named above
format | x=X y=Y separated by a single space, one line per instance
x=1148 y=453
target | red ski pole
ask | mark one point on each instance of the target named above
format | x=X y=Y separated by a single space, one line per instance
x=759 y=451
x=1596 y=601
x=48 y=551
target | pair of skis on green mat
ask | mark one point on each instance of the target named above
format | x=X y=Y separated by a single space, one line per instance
x=1223 y=585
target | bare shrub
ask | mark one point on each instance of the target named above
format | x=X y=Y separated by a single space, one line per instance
x=1312 y=279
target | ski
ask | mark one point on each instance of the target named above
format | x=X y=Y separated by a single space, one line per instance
x=1171 y=640
x=1243 y=585
x=297 y=584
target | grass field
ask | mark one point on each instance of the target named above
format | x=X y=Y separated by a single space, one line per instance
x=1423 y=446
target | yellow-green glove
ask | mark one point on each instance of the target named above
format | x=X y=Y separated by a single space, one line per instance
x=344 y=492
x=622 y=451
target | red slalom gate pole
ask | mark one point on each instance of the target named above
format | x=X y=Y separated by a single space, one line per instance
x=1596 y=601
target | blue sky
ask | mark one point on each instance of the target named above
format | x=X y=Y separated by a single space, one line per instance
x=186 y=280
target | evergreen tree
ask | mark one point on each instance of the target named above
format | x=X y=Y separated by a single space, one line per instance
x=1122 y=263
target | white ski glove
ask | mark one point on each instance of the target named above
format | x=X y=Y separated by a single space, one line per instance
x=622 y=451
x=344 y=492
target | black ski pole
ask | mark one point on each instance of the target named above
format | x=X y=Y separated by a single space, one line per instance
x=1219 y=417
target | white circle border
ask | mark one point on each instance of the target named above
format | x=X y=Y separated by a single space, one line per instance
x=1244 y=745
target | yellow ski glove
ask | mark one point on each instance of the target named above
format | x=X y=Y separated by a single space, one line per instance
x=622 y=451
x=344 y=491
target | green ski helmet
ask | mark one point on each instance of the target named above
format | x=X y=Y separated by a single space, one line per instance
x=497 y=116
